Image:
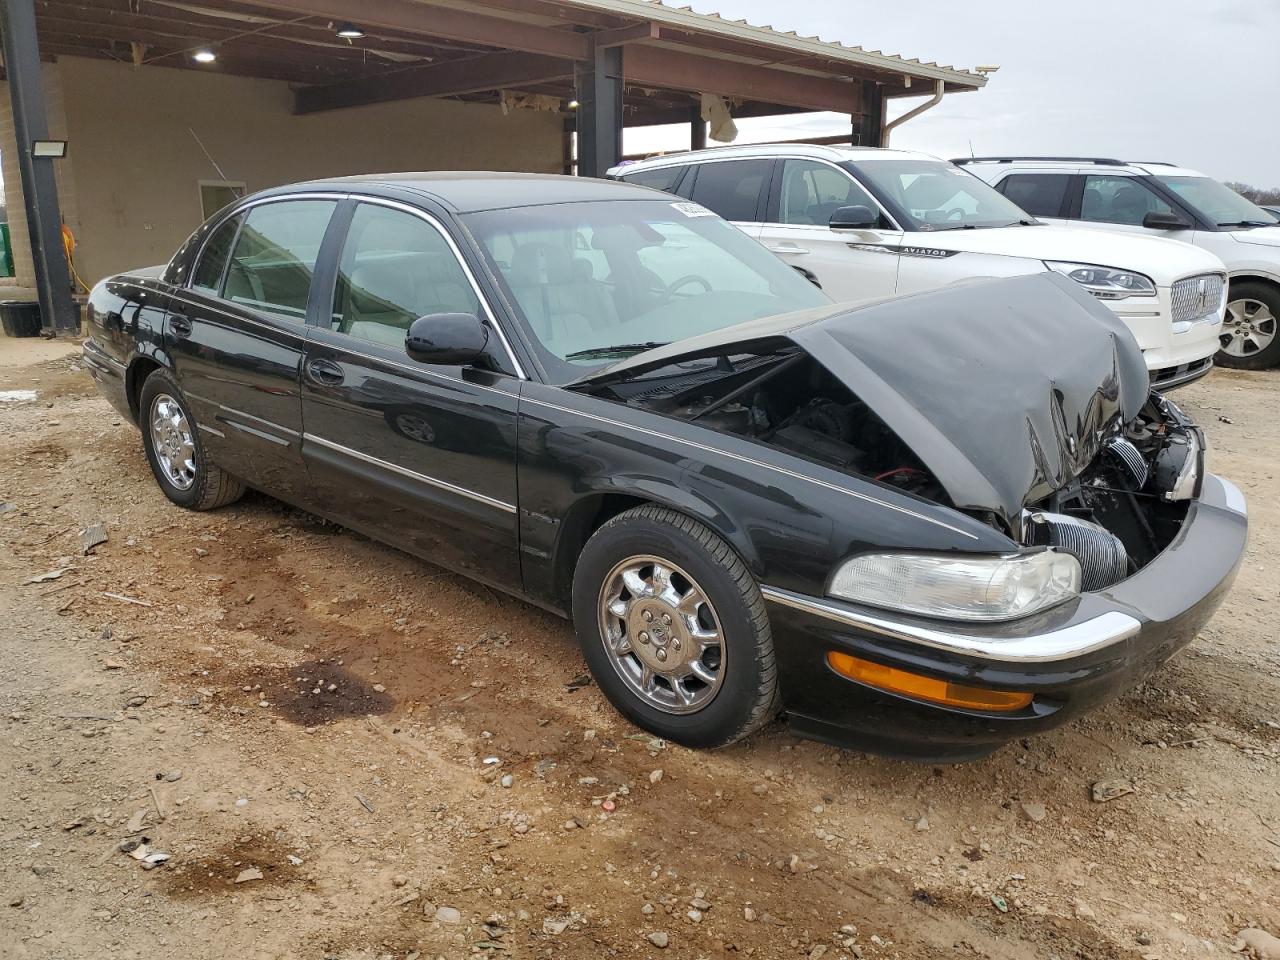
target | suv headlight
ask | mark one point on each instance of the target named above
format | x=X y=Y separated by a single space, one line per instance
x=1105 y=283
x=961 y=587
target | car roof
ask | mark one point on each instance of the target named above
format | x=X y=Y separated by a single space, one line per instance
x=754 y=150
x=470 y=191
x=1093 y=165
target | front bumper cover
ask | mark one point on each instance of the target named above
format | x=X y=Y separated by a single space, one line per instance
x=1071 y=657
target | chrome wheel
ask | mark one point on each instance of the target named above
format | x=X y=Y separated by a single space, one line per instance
x=662 y=634
x=1248 y=329
x=171 y=439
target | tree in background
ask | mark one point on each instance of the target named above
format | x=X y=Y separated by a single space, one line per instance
x=1256 y=194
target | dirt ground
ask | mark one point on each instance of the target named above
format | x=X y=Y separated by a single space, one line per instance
x=348 y=753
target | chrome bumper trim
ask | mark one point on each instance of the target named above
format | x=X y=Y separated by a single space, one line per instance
x=1061 y=644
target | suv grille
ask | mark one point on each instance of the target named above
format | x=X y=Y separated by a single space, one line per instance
x=1197 y=297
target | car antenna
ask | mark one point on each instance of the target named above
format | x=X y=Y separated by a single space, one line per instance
x=221 y=176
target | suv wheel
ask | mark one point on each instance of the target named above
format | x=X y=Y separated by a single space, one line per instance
x=674 y=629
x=1249 y=335
x=175 y=452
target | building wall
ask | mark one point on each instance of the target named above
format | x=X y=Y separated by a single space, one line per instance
x=134 y=165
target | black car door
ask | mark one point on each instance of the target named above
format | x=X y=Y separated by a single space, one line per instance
x=418 y=455
x=236 y=334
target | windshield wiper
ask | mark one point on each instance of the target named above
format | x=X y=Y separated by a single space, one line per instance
x=1251 y=223
x=616 y=350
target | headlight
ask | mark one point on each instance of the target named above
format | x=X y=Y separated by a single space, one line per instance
x=959 y=587
x=1105 y=283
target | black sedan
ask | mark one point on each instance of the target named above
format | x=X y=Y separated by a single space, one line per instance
x=921 y=526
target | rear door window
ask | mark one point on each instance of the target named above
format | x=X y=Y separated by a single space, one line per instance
x=732 y=188
x=1040 y=194
x=275 y=256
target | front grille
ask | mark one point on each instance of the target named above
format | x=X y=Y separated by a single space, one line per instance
x=1197 y=297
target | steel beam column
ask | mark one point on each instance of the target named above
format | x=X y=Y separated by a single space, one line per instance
x=599 y=114
x=697 y=128
x=58 y=311
x=868 y=125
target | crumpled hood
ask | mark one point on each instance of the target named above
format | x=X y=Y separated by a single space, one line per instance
x=1005 y=389
x=1162 y=259
x=1258 y=236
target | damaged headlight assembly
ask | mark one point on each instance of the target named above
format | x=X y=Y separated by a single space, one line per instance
x=974 y=588
x=1105 y=283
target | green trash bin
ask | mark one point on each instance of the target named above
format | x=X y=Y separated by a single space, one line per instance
x=6 y=252
x=20 y=318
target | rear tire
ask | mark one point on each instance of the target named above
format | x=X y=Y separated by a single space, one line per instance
x=1250 y=338
x=175 y=451
x=674 y=629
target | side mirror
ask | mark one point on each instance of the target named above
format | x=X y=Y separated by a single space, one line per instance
x=1158 y=220
x=857 y=217
x=451 y=339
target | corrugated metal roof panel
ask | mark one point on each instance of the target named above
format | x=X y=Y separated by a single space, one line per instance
x=716 y=25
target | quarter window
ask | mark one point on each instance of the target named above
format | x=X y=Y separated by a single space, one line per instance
x=1040 y=194
x=207 y=277
x=812 y=192
x=663 y=178
x=1119 y=200
x=396 y=267
x=275 y=256
x=731 y=188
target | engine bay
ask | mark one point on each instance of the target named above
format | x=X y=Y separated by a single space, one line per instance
x=1115 y=515
x=788 y=401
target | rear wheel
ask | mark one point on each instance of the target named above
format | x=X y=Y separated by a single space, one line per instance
x=175 y=451
x=1249 y=336
x=674 y=629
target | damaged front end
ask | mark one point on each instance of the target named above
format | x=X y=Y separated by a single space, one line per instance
x=1021 y=402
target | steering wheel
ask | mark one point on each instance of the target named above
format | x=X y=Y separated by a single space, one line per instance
x=956 y=213
x=684 y=282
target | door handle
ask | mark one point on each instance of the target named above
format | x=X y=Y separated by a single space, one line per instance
x=793 y=248
x=180 y=325
x=325 y=372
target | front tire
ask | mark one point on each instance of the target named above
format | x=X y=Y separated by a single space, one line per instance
x=674 y=629
x=1250 y=340
x=176 y=452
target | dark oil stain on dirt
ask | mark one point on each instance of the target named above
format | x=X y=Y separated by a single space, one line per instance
x=215 y=873
x=316 y=692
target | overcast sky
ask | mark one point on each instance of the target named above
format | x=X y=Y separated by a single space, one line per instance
x=1195 y=82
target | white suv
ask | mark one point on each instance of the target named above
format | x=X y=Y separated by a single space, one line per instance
x=1159 y=199
x=866 y=222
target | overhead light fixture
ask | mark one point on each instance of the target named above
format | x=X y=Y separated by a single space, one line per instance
x=56 y=149
x=349 y=31
x=573 y=104
x=204 y=55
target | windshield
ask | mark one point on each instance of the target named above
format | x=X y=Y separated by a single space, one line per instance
x=598 y=282
x=1216 y=202
x=932 y=195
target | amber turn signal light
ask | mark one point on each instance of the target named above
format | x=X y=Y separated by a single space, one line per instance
x=925 y=688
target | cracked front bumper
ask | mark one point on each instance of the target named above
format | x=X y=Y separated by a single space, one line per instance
x=1070 y=658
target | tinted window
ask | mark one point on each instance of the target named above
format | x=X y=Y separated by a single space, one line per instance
x=1037 y=193
x=663 y=178
x=275 y=256
x=1214 y=201
x=812 y=192
x=1119 y=200
x=207 y=277
x=396 y=267
x=731 y=188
